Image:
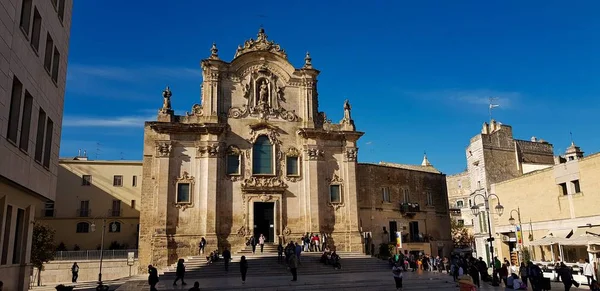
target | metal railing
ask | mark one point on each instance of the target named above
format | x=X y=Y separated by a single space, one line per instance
x=84 y=212
x=93 y=255
x=115 y=212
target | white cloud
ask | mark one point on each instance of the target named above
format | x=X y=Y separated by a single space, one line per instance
x=111 y=121
x=82 y=72
x=479 y=97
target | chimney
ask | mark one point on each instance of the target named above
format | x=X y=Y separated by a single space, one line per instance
x=79 y=153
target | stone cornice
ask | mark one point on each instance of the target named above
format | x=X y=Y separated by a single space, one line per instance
x=173 y=127
x=311 y=133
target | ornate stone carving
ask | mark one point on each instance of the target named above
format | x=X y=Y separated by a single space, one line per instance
x=163 y=149
x=314 y=153
x=265 y=197
x=183 y=206
x=196 y=111
x=335 y=179
x=335 y=206
x=264 y=182
x=234 y=150
x=347 y=122
x=260 y=44
x=292 y=152
x=287 y=231
x=307 y=61
x=243 y=231
x=211 y=151
x=293 y=178
x=184 y=178
x=214 y=52
x=271 y=132
x=351 y=154
x=263 y=97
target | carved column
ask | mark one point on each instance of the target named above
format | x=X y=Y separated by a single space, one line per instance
x=211 y=89
x=313 y=157
x=160 y=252
x=209 y=153
x=353 y=238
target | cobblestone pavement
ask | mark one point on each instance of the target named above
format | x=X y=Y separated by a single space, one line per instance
x=338 y=282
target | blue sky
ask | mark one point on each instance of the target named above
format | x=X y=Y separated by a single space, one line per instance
x=417 y=73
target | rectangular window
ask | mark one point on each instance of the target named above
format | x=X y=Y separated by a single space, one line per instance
x=48 y=53
x=334 y=194
x=563 y=188
x=292 y=166
x=429 y=198
x=134 y=181
x=18 y=239
x=15 y=110
x=86 y=180
x=483 y=227
x=133 y=204
x=117 y=180
x=39 y=139
x=576 y=186
x=183 y=193
x=37 y=29
x=61 y=10
x=413 y=228
x=393 y=229
x=55 y=65
x=233 y=164
x=385 y=193
x=26 y=122
x=461 y=222
x=48 y=142
x=83 y=227
x=49 y=209
x=405 y=199
x=7 y=225
x=84 y=208
x=116 y=208
x=26 y=15
x=459 y=204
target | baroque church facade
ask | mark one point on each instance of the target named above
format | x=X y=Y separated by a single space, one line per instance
x=255 y=157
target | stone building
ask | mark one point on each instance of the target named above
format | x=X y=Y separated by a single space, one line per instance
x=460 y=200
x=258 y=157
x=34 y=44
x=91 y=194
x=494 y=156
x=409 y=199
x=558 y=210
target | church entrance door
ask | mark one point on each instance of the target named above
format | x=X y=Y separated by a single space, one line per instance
x=264 y=220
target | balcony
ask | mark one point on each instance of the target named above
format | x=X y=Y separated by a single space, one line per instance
x=48 y=212
x=455 y=212
x=421 y=238
x=409 y=208
x=84 y=212
x=115 y=212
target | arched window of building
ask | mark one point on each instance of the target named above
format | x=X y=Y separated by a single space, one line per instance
x=83 y=227
x=114 y=226
x=262 y=156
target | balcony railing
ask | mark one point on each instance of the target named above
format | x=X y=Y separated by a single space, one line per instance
x=48 y=212
x=84 y=212
x=93 y=255
x=115 y=212
x=409 y=208
x=415 y=239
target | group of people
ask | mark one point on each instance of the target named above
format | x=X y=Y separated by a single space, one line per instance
x=252 y=241
x=331 y=258
x=313 y=242
x=424 y=262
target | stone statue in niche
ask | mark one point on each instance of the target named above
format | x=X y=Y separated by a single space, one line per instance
x=263 y=93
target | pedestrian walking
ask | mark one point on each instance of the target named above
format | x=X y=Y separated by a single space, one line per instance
x=261 y=242
x=588 y=272
x=202 y=245
x=243 y=268
x=279 y=252
x=75 y=272
x=293 y=264
x=298 y=251
x=152 y=277
x=253 y=244
x=226 y=258
x=397 y=272
x=180 y=273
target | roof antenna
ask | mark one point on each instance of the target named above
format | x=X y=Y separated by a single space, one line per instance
x=571 y=134
x=492 y=106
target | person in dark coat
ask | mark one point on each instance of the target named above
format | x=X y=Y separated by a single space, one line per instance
x=243 y=268
x=566 y=276
x=152 y=277
x=253 y=244
x=196 y=287
x=226 y=258
x=293 y=263
x=75 y=271
x=180 y=272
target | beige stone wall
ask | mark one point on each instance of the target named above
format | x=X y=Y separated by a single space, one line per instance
x=56 y=272
x=100 y=193
x=540 y=200
x=375 y=213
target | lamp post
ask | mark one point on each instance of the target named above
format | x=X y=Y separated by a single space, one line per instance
x=93 y=226
x=512 y=222
x=499 y=209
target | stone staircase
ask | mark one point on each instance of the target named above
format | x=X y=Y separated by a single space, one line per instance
x=266 y=264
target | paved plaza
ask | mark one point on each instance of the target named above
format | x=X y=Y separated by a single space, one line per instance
x=341 y=281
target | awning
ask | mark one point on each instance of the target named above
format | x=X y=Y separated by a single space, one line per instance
x=553 y=237
x=584 y=236
x=593 y=230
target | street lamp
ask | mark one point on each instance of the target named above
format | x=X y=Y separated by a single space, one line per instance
x=499 y=209
x=512 y=222
x=101 y=286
